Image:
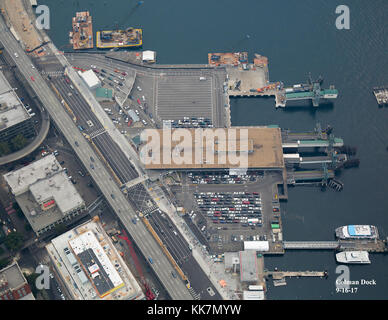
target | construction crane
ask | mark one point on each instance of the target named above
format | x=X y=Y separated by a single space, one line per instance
x=148 y=292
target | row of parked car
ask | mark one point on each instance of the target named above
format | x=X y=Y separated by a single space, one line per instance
x=218 y=178
x=228 y=207
x=192 y=122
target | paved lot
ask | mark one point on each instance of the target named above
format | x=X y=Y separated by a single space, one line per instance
x=219 y=239
x=184 y=96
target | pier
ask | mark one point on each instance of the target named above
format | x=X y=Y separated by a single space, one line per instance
x=339 y=245
x=279 y=275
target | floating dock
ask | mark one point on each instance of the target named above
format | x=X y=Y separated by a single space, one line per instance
x=280 y=275
x=130 y=37
x=381 y=95
x=82 y=35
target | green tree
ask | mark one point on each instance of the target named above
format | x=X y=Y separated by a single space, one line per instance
x=4 y=148
x=60 y=228
x=18 y=142
x=14 y=241
x=31 y=281
x=4 y=262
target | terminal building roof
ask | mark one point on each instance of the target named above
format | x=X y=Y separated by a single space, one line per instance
x=262 y=149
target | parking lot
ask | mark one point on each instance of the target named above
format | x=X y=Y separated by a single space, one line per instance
x=241 y=221
x=184 y=96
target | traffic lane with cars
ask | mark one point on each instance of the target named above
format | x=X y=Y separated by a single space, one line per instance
x=78 y=105
x=115 y=157
x=180 y=250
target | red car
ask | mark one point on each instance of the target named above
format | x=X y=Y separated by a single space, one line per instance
x=138 y=101
x=32 y=78
x=117 y=71
x=124 y=73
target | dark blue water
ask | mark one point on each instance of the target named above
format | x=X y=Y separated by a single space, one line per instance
x=298 y=36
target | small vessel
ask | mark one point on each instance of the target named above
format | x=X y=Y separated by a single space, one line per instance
x=82 y=35
x=354 y=257
x=357 y=232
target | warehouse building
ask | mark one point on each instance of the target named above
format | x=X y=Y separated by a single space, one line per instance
x=45 y=194
x=92 y=268
x=14 y=118
x=90 y=78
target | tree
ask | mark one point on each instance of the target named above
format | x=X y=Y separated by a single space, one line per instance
x=4 y=148
x=14 y=241
x=18 y=142
x=27 y=227
x=4 y=262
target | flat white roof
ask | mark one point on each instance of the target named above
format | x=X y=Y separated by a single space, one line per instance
x=88 y=240
x=82 y=289
x=253 y=295
x=46 y=180
x=256 y=245
x=90 y=78
x=149 y=55
x=12 y=110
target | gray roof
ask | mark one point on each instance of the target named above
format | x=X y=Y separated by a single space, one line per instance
x=248 y=266
x=12 y=110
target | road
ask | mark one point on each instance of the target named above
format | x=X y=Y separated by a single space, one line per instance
x=147 y=245
x=173 y=88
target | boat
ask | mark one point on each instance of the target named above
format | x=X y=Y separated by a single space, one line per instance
x=130 y=37
x=357 y=232
x=82 y=35
x=354 y=257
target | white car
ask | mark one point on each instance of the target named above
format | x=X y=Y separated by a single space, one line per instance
x=138 y=88
x=93 y=66
x=16 y=55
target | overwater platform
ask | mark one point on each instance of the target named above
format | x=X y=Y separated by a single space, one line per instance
x=339 y=245
x=279 y=275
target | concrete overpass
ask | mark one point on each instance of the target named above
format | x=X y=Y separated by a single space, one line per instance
x=147 y=245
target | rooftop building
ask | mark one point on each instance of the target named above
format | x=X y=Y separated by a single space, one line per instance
x=248 y=266
x=14 y=118
x=90 y=78
x=214 y=148
x=45 y=194
x=13 y=284
x=149 y=56
x=91 y=267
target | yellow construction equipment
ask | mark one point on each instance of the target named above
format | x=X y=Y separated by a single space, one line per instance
x=161 y=244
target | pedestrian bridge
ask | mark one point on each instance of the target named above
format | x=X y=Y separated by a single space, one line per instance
x=329 y=245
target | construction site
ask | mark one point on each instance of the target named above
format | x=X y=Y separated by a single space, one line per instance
x=82 y=35
x=130 y=37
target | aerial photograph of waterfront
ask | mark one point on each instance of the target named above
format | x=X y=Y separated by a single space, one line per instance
x=193 y=150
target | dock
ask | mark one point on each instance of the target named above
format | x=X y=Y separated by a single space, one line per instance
x=375 y=246
x=280 y=275
x=82 y=35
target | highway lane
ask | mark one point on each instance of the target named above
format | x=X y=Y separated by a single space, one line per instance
x=78 y=105
x=140 y=235
x=115 y=157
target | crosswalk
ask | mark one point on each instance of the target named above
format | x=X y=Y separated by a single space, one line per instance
x=97 y=133
x=53 y=73
x=196 y=296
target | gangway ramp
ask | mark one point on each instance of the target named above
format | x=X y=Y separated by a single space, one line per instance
x=300 y=245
